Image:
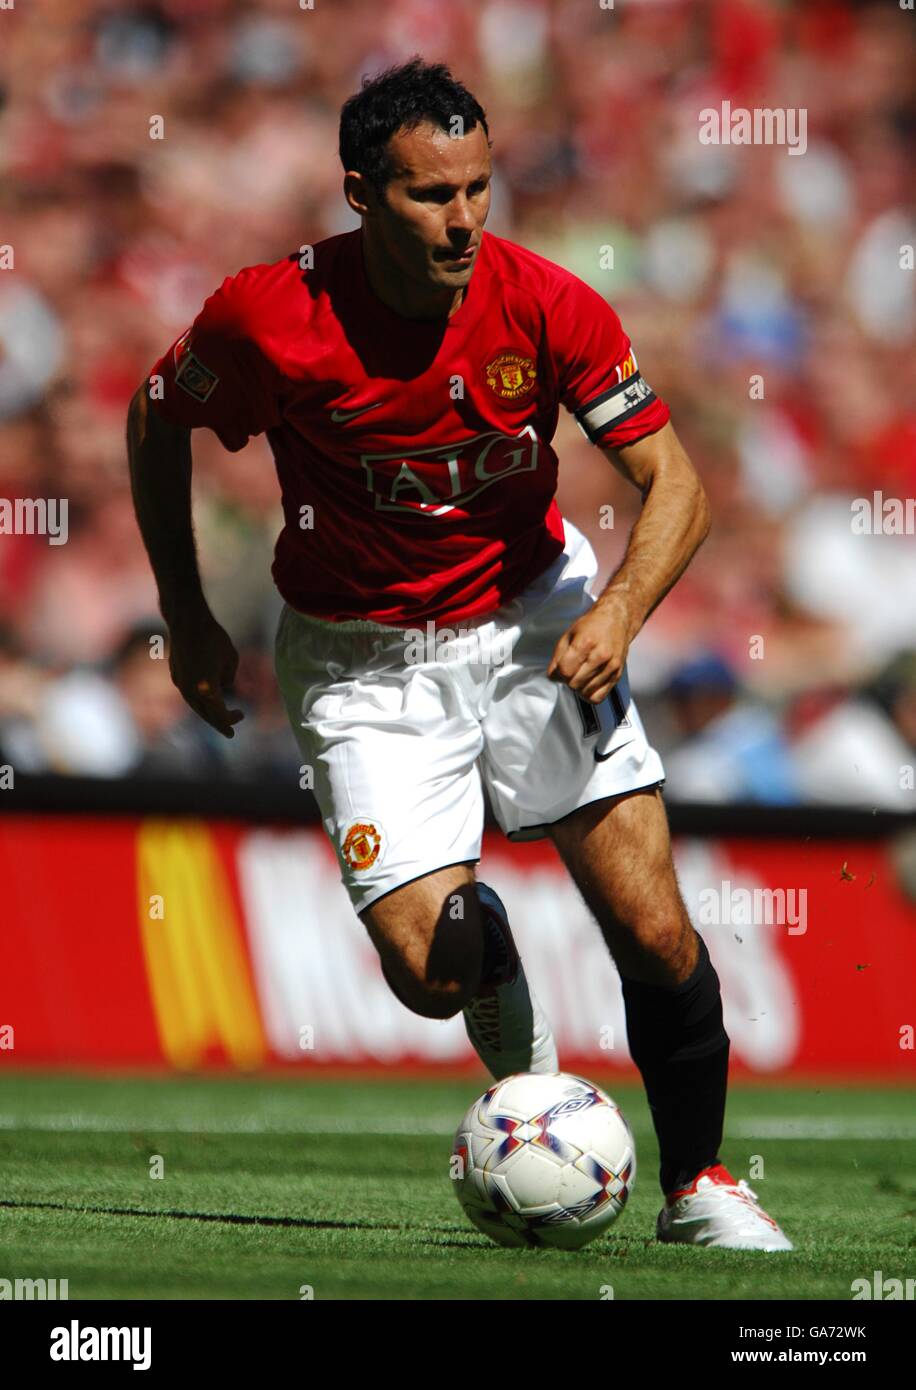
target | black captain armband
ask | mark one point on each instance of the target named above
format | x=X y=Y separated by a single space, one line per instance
x=613 y=407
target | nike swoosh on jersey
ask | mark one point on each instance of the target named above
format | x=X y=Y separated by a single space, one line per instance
x=340 y=416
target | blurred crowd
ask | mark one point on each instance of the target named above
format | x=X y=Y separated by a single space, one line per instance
x=768 y=295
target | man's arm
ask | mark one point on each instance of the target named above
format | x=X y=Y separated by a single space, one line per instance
x=202 y=658
x=675 y=518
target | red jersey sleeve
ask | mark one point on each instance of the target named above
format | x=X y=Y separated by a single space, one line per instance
x=599 y=380
x=214 y=375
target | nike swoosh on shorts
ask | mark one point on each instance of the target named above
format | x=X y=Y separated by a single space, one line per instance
x=339 y=416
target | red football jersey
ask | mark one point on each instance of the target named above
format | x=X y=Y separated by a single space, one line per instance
x=414 y=457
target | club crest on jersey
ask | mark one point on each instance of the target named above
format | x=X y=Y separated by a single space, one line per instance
x=511 y=375
x=191 y=374
x=362 y=845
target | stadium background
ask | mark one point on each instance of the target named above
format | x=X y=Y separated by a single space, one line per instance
x=778 y=679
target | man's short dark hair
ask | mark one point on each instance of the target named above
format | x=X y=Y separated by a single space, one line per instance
x=399 y=98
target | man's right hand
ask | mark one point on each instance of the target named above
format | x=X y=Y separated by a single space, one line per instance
x=203 y=662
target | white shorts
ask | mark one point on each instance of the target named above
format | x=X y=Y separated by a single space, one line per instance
x=403 y=731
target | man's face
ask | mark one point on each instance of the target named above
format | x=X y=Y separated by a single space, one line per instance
x=431 y=219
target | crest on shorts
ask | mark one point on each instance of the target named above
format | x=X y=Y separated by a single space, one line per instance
x=191 y=374
x=362 y=845
x=511 y=375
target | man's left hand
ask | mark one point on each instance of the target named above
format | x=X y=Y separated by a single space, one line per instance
x=591 y=655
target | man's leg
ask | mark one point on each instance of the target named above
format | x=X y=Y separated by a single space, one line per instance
x=429 y=936
x=619 y=854
x=445 y=946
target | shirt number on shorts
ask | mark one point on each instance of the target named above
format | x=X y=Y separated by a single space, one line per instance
x=591 y=722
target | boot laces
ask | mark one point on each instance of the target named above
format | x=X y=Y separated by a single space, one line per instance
x=748 y=1197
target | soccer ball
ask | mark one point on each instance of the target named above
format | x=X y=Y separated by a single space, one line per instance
x=543 y=1160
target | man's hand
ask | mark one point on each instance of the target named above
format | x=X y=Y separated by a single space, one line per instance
x=202 y=662
x=591 y=655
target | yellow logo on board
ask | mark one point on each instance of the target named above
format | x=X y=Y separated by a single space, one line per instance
x=200 y=982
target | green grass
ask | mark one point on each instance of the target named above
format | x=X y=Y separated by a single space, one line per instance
x=271 y=1184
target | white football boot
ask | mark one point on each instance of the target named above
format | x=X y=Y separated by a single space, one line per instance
x=504 y=1021
x=717 y=1211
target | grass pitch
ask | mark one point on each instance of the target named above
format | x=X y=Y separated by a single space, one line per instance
x=276 y=1184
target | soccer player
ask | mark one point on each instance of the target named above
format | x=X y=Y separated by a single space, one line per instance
x=439 y=635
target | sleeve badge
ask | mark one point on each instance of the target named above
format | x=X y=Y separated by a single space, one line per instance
x=191 y=374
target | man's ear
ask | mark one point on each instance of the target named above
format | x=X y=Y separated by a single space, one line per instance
x=359 y=193
x=362 y=195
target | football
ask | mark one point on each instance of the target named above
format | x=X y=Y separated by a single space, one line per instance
x=543 y=1160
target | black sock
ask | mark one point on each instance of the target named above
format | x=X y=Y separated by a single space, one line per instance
x=680 y=1046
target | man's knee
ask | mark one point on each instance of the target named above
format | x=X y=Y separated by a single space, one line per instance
x=670 y=948
x=430 y=942
x=429 y=998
